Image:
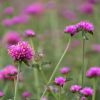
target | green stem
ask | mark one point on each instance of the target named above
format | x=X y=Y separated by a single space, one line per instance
x=57 y=66
x=59 y=93
x=94 y=88
x=16 y=85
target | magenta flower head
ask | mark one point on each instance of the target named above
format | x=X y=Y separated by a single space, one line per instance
x=75 y=88
x=64 y=70
x=8 y=10
x=85 y=26
x=1 y=94
x=71 y=29
x=29 y=33
x=60 y=81
x=35 y=9
x=11 y=38
x=7 y=22
x=96 y=47
x=87 y=91
x=1 y=75
x=83 y=98
x=86 y=8
x=10 y=72
x=21 y=52
x=26 y=94
x=93 y=72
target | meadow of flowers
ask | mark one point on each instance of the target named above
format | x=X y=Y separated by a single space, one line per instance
x=49 y=50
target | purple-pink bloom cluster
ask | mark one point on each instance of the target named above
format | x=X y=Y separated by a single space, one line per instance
x=75 y=88
x=96 y=47
x=1 y=94
x=93 y=72
x=29 y=33
x=9 y=10
x=21 y=52
x=64 y=70
x=26 y=94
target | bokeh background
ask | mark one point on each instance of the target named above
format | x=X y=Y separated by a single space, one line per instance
x=48 y=21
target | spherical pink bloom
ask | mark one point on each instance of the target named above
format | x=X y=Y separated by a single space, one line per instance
x=8 y=10
x=59 y=81
x=35 y=9
x=11 y=38
x=75 y=88
x=85 y=26
x=71 y=29
x=96 y=47
x=21 y=52
x=10 y=72
x=86 y=8
x=1 y=75
x=64 y=70
x=26 y=94
x=93 y=72
x=87 y=91
x=7 y=22
x=29 y=33
x=1 y=94
x=83 y=98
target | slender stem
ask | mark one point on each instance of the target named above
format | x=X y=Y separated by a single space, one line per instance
x=59 y=93
x=57 y=66
x=16 y=85
x=94 y=88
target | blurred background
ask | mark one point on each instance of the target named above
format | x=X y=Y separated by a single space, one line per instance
x=48 y=18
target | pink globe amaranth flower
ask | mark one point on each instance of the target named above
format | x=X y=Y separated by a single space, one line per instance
x=71 y=29
x=87 y=91
x=64 y=70
x=85 y=26
x=7 y=22
x=29 y=33
x=96 y=47
x=26 y=94
x=8 y=10
x=93 y=72
x=35 y=9
x=86 y=8
x=83 y=98
x=1 y=94
x=21 y=52
x=60 y=81
x=75 y=88
x=10 y=72
x=11 y=38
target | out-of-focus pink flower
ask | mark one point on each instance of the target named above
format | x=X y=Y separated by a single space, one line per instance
x=29 y=33
x=11 y=38
x=92 y=1
x=21 y=52
x=75 y=88
x=86 y=8
x=7 y=22
x=60 y=81
x=43 y=98
x=93 y=72
x=87 y=91
x=9 y=10
x=64 y=70
x=26 y=94
x=1 y=75
x=83 y=98
x=35 y=9
x=96 y=47
x=1 y=94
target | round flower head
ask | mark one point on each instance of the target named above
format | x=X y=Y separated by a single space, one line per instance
x=26 y=94
x=1 y=75
x=85 y=26
x=10 y=72
x=8 y=10
x=29 y=33
x=11 y=38
x=83 y=98
x=86 y=91
x=21 y=52
x=1 y=94
x=60 y=81
x=64 y=70
x=71 y=29
x=96 y=47
x=86 y=8
x=93 y=72
x=75 y=88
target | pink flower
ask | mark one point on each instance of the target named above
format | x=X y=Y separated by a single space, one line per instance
x=29 y=33
x=96 y=47
x=93 y=72
x=1 y=94
x=8 y=10
x=26 y=94
x=21 y=52
x=59 y=81
x=86 y=91
x=1 y=75
x=64 y=70
x=75 y=88
x=83 y=98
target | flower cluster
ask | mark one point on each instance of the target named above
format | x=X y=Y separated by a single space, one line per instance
x=64 y=70
x=75 y=88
